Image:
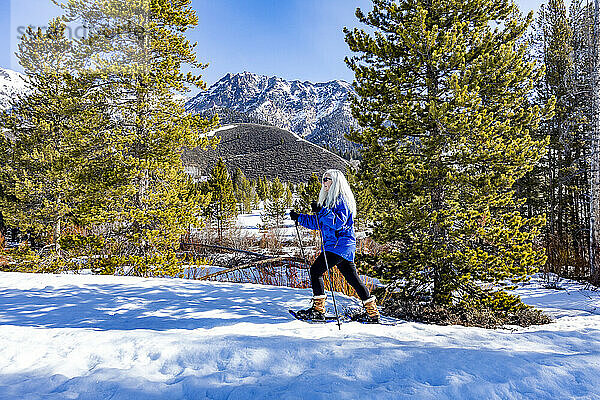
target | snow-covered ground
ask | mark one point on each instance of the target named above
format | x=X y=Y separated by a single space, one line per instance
x=107 y=337
x=249 y=225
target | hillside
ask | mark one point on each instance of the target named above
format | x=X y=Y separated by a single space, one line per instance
x=267 y=151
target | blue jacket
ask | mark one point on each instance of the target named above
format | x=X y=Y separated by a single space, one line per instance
x=337 y=225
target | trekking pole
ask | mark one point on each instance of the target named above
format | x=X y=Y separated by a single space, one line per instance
x=301 y=245
x=328 y=273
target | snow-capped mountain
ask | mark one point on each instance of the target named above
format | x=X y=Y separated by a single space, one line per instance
x=11 y=84
x=318 y=112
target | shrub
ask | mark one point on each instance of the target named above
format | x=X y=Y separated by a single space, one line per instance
x=82 y=244
x=20 y=259
x=500 y=309
x=107 y=265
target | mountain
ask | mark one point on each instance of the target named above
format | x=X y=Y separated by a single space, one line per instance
x=260 y=150
x=318 y=112
x=11 y=84
x=227 y=116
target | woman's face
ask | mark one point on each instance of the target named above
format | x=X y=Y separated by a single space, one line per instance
x=327 y=182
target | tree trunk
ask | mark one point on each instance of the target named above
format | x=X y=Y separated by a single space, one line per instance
x=442 y=292
x=56 y=236
x=594 y=162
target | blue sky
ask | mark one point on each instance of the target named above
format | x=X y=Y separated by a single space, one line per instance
x=293 y=39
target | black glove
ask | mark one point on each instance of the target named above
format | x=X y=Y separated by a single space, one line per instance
x=294 y=215
x=315 y=207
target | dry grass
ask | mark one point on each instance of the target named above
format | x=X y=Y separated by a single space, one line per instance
x=278 y=273
x=341 y=285
x=195 y=272
x=336 y=278
x=3 y=257
x=271 y=241
x=274 y=274
x=565 y=258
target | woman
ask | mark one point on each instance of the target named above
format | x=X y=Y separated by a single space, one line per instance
x=334 y=214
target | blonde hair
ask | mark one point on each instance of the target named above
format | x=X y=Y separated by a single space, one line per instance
x=339 y=187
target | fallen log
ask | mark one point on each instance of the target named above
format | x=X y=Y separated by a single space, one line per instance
x=211 y=246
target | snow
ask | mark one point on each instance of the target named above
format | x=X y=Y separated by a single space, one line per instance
x=249 y=225
x=11 y=84
x=219 y=129
x=12 y=80
x=107 y=337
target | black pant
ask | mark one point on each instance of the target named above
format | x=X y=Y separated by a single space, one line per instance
x=347 y=268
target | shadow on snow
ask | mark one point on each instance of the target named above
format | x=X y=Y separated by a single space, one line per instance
x=176 y=305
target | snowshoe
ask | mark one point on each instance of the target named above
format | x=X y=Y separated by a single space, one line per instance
x=315 y=313
x=364 y=318
x=309 y=314
x=318 y=318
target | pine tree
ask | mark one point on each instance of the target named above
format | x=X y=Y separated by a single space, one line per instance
x=275 y=205
x=558 y=184
x=309 y=193
x=244 y=191
x=247 y=193
x=365 y=201
x=238 y=179
x=299 y=189
x=138 y=49
x=57 y=139
x=262 y=188
x=442 y=98
x=288 y=196
x=222 y=207
x=251 y=195
x=581 y=21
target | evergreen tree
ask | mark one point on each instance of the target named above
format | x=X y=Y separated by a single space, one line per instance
x=244 y=191
x=222 y=207
x=275 y=204
x=288 y=196
x=309 y=193
x=299 y=189
x=558 y=184
x=57 y=136
x=138 y=49
x=581 y=21
x=262 y=188
x=238 y=179
x=251 y=199
x=442 y=98
x=365 y=201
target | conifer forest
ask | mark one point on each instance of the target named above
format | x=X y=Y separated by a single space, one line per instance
x=477 y=151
